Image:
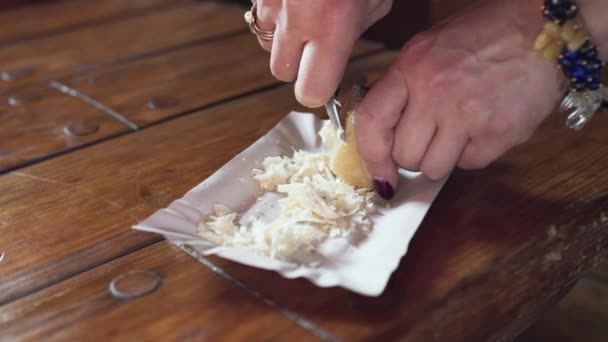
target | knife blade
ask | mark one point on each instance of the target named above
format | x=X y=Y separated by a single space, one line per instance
x=334 y=116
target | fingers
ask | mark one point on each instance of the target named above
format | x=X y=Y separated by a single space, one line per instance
x=377 y=11
x=377 y=115
x=479 y=153
x=321 y=69
x=443 y=153
x=286 y=55
x=414 y=134
x=265 y=17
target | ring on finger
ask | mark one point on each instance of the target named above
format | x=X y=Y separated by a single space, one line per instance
x=251 y=19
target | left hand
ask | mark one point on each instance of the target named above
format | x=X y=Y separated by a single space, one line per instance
x=461 y=94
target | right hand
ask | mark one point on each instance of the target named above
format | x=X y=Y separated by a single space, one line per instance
x=313 y=41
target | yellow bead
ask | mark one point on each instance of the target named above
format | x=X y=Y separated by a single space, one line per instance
x=542 y=41
x=552 y=51
x=569 y=31
x=577 y=41
x=553 y=30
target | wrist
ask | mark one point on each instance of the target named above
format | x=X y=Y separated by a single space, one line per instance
x=594 y=14
x=567 y=38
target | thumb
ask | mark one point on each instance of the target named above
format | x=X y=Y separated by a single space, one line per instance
x=377 y=115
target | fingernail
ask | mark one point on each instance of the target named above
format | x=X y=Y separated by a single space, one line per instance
x=384 y=189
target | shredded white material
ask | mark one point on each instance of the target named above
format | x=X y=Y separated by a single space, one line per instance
x=316 y=206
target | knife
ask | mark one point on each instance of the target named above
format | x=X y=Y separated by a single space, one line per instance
x=334 y=116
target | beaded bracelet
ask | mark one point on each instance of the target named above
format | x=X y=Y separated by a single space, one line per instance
x=564 y=38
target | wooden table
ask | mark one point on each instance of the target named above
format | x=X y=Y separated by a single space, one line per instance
x=112 y=109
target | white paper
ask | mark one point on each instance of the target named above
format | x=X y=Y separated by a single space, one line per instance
x=363 y=266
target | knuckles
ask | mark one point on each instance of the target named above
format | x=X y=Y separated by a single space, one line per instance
x=434 y=172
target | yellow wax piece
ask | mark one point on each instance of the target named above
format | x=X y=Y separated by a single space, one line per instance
x=346 y=162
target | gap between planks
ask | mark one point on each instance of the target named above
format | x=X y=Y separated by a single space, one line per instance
x=302 y=322
x=99 y=105
x=291 y=315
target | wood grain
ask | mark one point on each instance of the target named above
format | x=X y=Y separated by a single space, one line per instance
x=74 y=212
x=53 y=17
x=34 y=123
x=185 y=79
x=35 y=116
x=191 y=304
x=580 y=316
x=599 y=273
x=90 y=47
x=497 y=247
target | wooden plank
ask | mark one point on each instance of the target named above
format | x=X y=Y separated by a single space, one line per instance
x=102 y=44
x=192 y=303
x=581 y=316
x=73 y=212
x=194 y=77
x=52 y=17
x=498 y=246
x=599 y=273
x=153 y=89
x=36 y=123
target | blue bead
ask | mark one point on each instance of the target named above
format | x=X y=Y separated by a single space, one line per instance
x=593 y=65
x=594 y=86
x=568 y=55
x=579 y=72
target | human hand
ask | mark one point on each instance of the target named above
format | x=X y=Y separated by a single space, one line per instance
x=313 y=40
x=461 y=94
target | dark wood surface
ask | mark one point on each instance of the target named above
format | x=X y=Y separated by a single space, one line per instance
x=498 y=248
x=36 y=116
x=51 y=17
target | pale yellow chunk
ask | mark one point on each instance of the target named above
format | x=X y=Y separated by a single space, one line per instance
x=345 y=160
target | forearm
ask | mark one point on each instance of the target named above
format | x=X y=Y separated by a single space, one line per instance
x=595 y=15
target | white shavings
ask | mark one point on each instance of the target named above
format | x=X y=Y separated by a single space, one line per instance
x=316 y=206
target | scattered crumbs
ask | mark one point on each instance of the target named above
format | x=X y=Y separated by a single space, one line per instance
x=243 y=158
x=1 y=257
x=257 y=162
x=553 y=256
x=242 y=180
x=603 y=217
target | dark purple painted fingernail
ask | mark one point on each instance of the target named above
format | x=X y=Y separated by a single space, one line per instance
x=384 y=189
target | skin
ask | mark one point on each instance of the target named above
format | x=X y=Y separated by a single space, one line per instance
x=461 y=94
x=313 y=40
